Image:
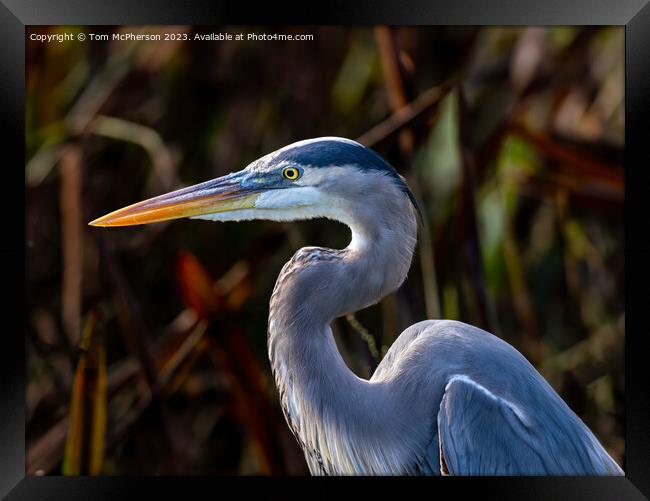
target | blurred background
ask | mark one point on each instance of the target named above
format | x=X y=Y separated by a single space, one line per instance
x=146 y=346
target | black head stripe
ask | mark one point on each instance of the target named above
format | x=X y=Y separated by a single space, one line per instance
x=328 y=152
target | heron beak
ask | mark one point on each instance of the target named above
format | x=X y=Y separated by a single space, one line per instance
x=218 y=195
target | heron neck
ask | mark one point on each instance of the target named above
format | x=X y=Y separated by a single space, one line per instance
x=323 y=400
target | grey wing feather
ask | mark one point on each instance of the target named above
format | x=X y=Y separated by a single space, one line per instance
x=483 y=434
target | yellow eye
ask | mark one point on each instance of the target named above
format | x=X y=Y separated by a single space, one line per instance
x=291 y=173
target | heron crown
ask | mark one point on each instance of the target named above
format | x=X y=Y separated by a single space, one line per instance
x=326 y=152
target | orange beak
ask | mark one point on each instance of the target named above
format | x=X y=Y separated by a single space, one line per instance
x=218 y=195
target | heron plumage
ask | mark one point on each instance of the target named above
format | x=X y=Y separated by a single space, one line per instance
x=403 y=419
x=447 y=397
x=326 y=152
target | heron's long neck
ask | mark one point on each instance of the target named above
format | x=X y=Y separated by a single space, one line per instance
x=321 y=397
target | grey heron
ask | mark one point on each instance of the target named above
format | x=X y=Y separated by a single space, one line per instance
x=447 y=398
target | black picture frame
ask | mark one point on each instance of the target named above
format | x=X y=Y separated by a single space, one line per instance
x=16 y=15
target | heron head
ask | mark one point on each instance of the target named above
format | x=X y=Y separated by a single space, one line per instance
x=327 y=177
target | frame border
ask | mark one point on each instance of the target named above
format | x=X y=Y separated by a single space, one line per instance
x=16 y=15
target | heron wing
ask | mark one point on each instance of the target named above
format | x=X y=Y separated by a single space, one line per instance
x=483 y=434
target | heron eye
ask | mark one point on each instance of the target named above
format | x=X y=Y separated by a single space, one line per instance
x=291 y=173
